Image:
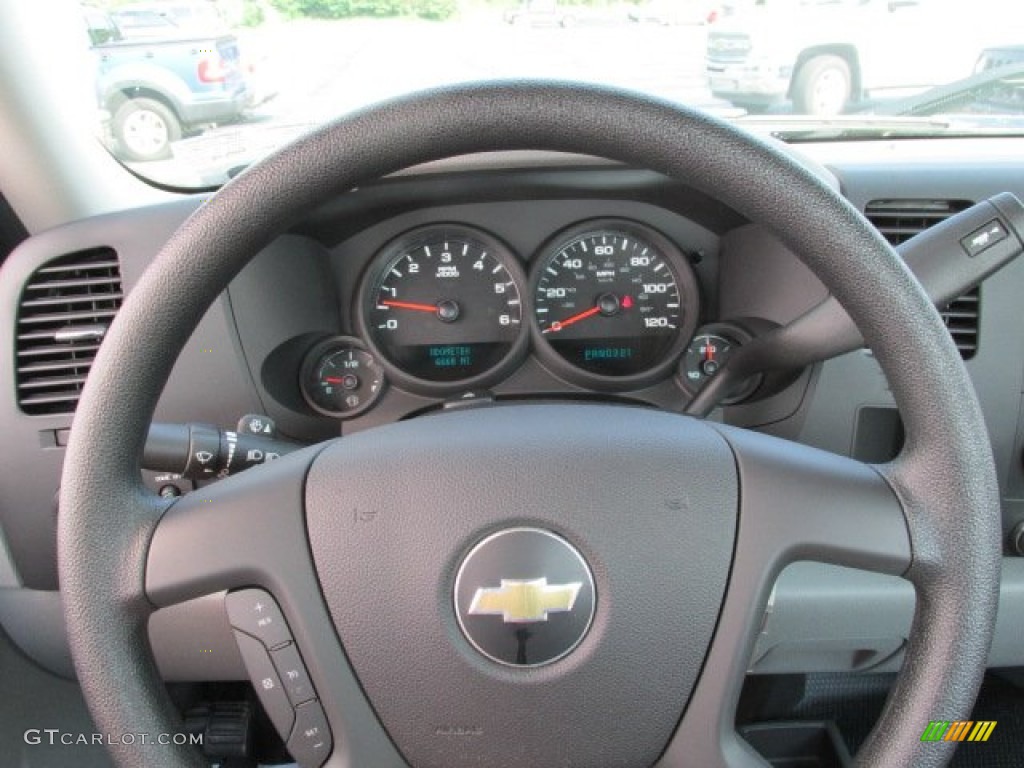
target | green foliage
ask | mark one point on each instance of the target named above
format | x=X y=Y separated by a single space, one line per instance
x=289 y=8
x=435 y=10
x=252 y=13
x=345 y=9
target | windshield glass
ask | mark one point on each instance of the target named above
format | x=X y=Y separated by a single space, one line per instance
x=191 y=91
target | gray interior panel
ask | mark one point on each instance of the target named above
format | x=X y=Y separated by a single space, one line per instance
x=243 y=357
x=211 y=382
x=35 y=700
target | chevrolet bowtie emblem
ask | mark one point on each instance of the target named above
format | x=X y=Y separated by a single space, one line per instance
x=524 y=602
x=524 y=636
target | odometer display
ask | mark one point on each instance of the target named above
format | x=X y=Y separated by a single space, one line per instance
x=614 y=300
x=443 y=308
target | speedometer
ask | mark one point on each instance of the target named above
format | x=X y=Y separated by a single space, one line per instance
x=443 y=309
x=614 y=304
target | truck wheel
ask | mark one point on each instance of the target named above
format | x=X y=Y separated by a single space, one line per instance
x=823 y=86
x=144 y=129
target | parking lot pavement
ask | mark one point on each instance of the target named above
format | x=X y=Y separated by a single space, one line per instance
x=326 y=68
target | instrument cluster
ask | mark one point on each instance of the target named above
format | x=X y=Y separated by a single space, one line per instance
x=608 y=304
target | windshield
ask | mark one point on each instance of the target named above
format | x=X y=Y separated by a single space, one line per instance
x=191 y=91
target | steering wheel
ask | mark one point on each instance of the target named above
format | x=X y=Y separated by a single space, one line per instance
x=379 y=548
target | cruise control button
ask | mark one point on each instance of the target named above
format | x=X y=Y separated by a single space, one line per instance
x=310 y=742
x=266 y=682
x=254 y=611
x=293 y=674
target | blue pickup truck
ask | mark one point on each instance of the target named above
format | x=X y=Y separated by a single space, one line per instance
x=157 y=89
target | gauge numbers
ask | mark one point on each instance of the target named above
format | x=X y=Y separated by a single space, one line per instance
x=707 y=353
x=340 y=378
x=445 y=308
x=614 y=301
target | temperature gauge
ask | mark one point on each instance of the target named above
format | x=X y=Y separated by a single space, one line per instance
x=705 y=356
x=340 y=378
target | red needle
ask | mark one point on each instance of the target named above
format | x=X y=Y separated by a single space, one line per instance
x=409 y=305
x=333 y=380
x=559 y=325
x=711 y=351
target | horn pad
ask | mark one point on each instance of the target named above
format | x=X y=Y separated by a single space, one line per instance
x=406 y=525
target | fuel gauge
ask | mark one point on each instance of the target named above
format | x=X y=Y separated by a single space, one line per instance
x=705 y=356
x=341 y=378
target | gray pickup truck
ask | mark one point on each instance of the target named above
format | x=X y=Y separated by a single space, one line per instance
x=828 y=55
x=157 y=89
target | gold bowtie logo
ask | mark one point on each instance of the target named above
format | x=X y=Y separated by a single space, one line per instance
x=524 y=601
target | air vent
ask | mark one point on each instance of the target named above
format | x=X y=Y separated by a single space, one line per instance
x=961 y=318
x=65 y=310
x=900 y=220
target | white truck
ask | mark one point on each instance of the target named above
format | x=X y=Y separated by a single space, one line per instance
x=826 y=54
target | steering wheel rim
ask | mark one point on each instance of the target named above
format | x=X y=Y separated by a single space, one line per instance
x=944 y=478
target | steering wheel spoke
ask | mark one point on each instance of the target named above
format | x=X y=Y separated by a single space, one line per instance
x=797 y=503
x=800 y=503
x=244 y=531
x=247 y=535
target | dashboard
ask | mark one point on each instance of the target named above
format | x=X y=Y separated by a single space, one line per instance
x=606 y=304
x=517 y=295
x=511 y=277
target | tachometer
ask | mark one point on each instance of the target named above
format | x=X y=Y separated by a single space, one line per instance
x=443 y=309
x=614 y=304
